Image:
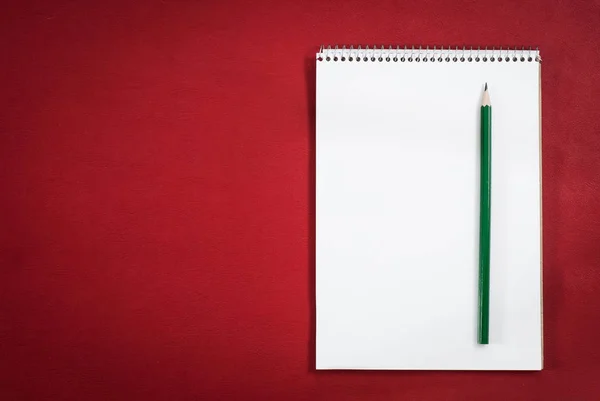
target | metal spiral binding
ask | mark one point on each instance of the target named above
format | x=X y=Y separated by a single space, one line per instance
x=427 y=54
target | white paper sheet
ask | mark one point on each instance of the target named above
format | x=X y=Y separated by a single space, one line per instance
x=397 y=209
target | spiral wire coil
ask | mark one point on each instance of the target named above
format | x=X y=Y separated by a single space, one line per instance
x=427 y=54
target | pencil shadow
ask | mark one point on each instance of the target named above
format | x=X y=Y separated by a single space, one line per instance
x=311 y=91
x=477 y=228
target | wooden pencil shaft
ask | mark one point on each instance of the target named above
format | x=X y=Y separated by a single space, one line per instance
x=485 y=223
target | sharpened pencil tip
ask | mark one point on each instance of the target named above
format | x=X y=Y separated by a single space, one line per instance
x=485 y=99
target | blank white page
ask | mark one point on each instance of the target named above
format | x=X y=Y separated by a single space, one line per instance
x=397 y=215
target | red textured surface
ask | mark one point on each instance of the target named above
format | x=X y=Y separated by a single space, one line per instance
x=157 y=197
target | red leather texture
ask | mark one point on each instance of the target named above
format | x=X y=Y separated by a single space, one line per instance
x=157 y=176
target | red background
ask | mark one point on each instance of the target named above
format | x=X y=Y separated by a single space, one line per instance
x=157 y=197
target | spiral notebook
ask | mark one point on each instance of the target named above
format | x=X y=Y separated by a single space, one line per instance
x=397 y=208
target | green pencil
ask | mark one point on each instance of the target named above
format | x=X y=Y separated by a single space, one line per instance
x=485 y=217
